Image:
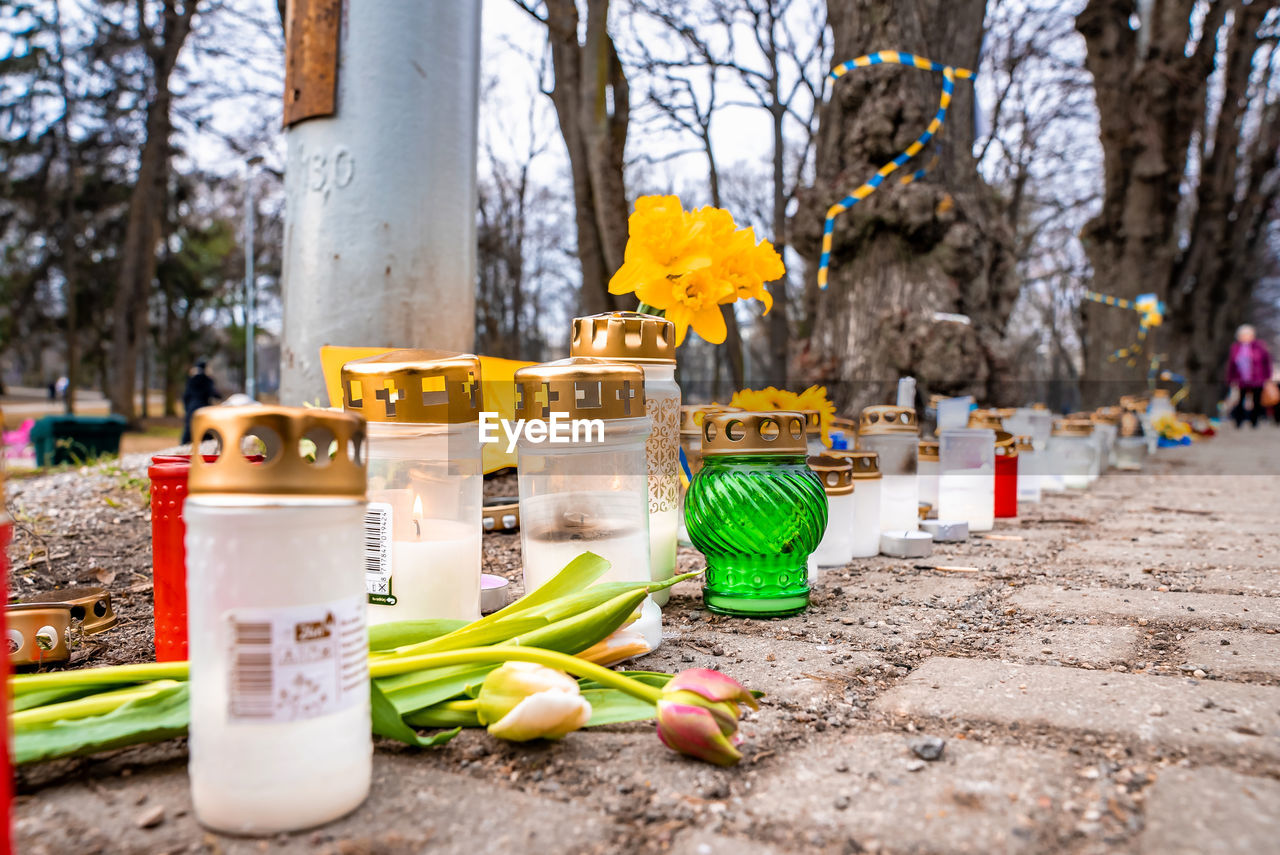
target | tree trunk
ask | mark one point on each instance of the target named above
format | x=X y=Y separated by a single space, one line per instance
x=592 y=104
x=937 y=245
x=142 y=230
x=1149 y=103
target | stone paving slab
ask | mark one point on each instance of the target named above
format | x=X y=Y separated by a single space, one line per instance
x=1244 y=654
x=1132 y=604
x=1211 y=811
x=1162 y=712
x=1075 y=644
x=975 y=798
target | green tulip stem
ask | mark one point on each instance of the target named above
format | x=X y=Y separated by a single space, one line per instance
x=99 y=704
x=550 y=658
x=141 y=673
x=645 y=309
x=468 y=705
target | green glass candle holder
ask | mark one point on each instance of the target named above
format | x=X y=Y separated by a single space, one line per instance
x=755 y=511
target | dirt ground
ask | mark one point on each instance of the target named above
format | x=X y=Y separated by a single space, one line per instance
x=1140 y=587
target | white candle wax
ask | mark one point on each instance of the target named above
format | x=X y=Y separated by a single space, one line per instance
x=663 y=528
x=969 y=495
x=436 y=576
x=899 y=503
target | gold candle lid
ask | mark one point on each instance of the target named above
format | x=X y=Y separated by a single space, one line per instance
x=625 y=336
x=1006 y=444
x=812 y=421
x=1159 y=393
x=929 y=449
x=866 y=464
x=835 y=473
x=1005 y=412
x=887 y=418
x=582 y=388
x=1040 y=405
x=691 y=415
x=1106 y=415
x=1024 y=443
x=414 y=387
x=283 y=471
x=1072 y=427
x=849 y=426
x=986 y=419
x=776 y=432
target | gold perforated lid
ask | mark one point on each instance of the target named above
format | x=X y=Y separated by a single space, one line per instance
x=1130 y=424
x=887 y=418
x=1039 y=405
x=812 y=421
x=928 y=449
x=691 y=415
x=624 y=336
x=414 y=387
x=835 y=473
x=986 y=419
x=1106 y=415
x=1024 y=444
x=780 y=432
x=1072 y=427
x=278 y=434
x=582 y=388
x=1006 y=444
x=1159 y=393
x=866 y=464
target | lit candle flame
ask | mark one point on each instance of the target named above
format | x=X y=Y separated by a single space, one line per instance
x=417 y=515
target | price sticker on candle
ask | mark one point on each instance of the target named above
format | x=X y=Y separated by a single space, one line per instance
x=299 y=663
x=377 y=553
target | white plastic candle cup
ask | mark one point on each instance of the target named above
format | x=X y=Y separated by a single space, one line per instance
x=1030 y=474
x=1131 y=452
x=590 y=494
x=898 y=452
x=648 y=342
x=280 y=734
x=928 y=469
x=425 y=516
x=966 y=484
x=836 y=475
x=1072 y=453
x=424 y=522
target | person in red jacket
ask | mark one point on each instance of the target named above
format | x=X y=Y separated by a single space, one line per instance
x=1248 y=368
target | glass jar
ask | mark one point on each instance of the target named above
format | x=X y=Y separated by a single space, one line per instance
x=590 y=493
x=649 y=342
x=836 y=474
x=1008 y=462
x=756 y=512
x=894 y=435
x=966 y=485
x=1131 y=444
x=280 y=734
x=424 y=520
x=927 y=469
x=1072 y=452
x=1030 y=463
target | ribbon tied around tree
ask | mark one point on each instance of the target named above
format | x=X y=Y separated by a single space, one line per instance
x=889 y=57
x=1150 y=309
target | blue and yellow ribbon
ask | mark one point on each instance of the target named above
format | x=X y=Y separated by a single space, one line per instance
x=1150 y=309
x=890 y=57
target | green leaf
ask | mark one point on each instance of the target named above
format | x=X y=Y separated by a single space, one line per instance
x=388 y=636
x=576 y=575
x=438 y=717
x=417 y=690
x=42 y=697
x=387 y=722
x=161 y=716
x=652 y=678
x=611 y=706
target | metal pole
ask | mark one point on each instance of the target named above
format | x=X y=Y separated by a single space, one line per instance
x=250 y=370
x=380 y=241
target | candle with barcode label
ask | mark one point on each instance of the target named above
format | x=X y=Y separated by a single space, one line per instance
x=423 y=525
x=279 y=709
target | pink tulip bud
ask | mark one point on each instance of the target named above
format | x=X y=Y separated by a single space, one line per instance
x=698 y=715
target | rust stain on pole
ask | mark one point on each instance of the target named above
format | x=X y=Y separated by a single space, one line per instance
x=311 y=59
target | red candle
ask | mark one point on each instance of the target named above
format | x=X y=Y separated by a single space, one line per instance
x=1006 y=504
x=168 y=475
x=6 y=531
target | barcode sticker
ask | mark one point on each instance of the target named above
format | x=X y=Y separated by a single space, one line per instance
x=296 y=663
x=377 y=553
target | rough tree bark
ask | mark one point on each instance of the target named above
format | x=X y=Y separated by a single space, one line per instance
x=592 y=103
x=138 y=252
x=937 y=245
x=1149 y=104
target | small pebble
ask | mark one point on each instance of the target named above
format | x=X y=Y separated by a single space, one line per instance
x=915 y=765
x=842 y=766
x=1197 y=673
x=151 y=817
x=842 y=802
x=928 y=747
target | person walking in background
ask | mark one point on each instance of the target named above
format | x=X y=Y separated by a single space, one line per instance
x=199 y=392
x=1248 y=370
